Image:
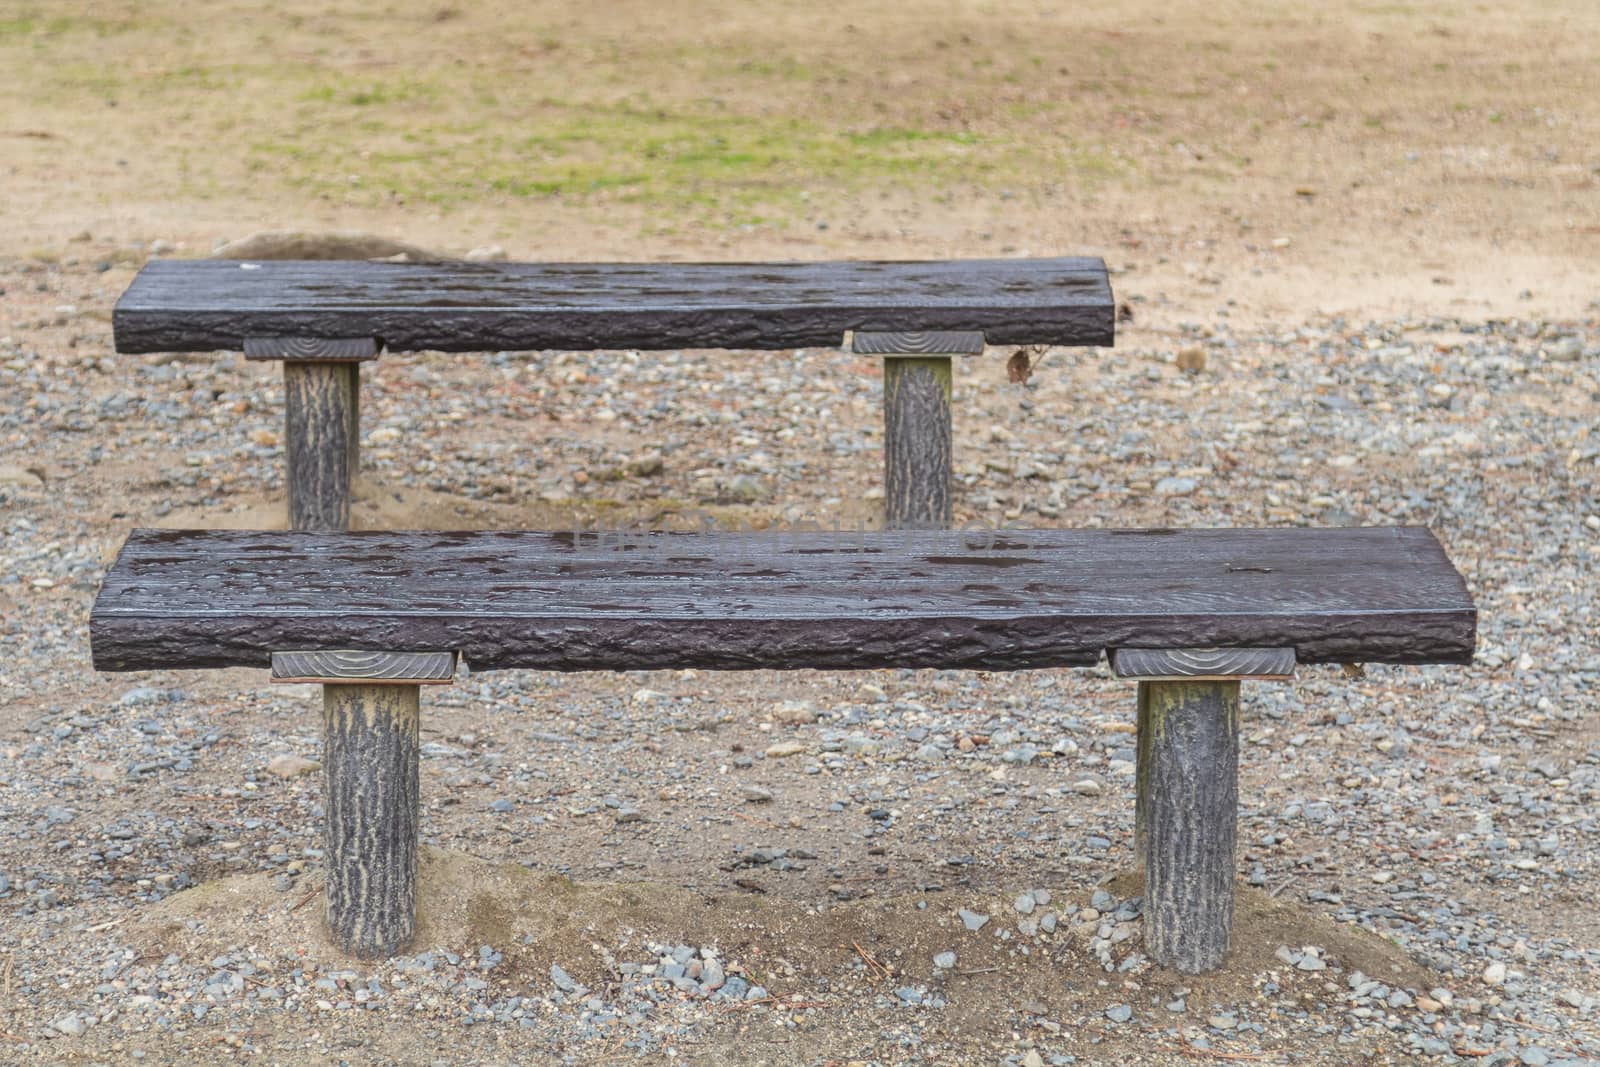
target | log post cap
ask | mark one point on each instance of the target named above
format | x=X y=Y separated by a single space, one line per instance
x=312 y=349
x=351 y=667
x=1204 y=664
x=917 y=343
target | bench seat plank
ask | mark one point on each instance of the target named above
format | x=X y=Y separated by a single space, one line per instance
x=202 y=305
x=559 y=601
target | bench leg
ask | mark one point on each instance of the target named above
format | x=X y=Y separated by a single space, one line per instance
x=916 y=422
x=1141 y=800
x=323 y=413
x=370 y=796
x=916 y=442
x=1189 y=794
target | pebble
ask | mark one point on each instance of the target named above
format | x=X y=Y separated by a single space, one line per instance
x=72 y=1025
x=1119 y=1013
x=971 y=919
x=1494 y=974
x=785 y=749
x=564 y=981
x=945 y=960
x=291 y=766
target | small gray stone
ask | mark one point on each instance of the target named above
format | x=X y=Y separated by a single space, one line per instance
x=1024 y=904
x=71 y=1025
x=625 y=815
x=757 y=992
x=1119 y=1013
x=909 y=995
x=564 y=981
x=945 y=960
x=972 y=919
x=1102 y=901
x=1534 y=1056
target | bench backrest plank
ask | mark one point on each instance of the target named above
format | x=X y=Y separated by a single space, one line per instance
x=201 y=305
x=560 y=601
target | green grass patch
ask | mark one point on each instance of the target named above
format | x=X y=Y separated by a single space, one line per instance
x=699 y=164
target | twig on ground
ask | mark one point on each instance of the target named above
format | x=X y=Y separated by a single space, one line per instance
x=1215 y=1054
x=757 y=820
x=875 y=970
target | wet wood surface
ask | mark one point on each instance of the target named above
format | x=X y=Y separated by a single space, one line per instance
x=201 y=305
x=978 y=599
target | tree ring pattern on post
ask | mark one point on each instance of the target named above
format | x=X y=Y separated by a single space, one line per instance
x=312 y=349
x=918 y=343
x=352 y=667
x=1156 y=664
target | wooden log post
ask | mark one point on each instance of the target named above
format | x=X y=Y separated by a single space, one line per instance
x=322 y=423
x=1187 y=801
x=917 y=458
x=370 y=715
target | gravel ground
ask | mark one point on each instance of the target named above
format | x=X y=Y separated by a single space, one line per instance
x=895 y=867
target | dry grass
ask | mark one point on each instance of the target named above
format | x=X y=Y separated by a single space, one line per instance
x=1413 y=120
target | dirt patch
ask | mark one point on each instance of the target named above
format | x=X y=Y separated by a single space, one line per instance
x=792 y=948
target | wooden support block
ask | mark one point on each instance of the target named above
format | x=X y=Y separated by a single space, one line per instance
x=1190 y=804
x=312 y=349
x=1159 y=664
x=322 y=404
x=347 y=667
x=370 y=800
x=918 y=343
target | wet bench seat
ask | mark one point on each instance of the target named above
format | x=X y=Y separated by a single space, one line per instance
x=373 y=616
x=323 y=319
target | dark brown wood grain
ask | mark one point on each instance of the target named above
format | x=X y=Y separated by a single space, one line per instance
x=564 y=601
x=1257 y=663
x=201 y=305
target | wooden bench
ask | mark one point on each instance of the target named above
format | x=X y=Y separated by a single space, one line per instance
x=373 y=616
x=324 y=319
